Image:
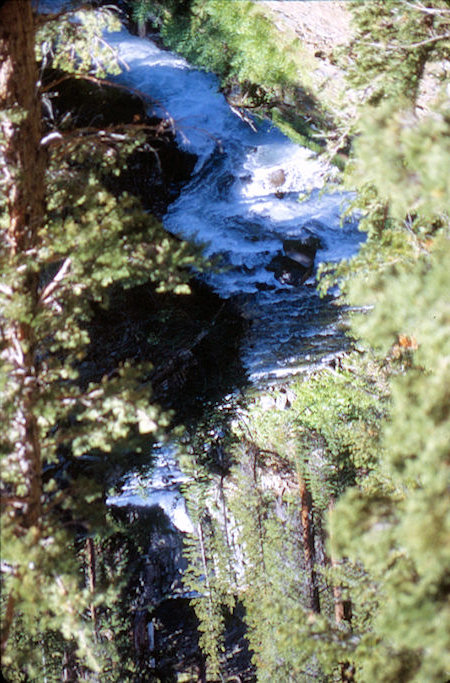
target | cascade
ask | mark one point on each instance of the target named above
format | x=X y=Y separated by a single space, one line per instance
x=242 y=203
x=252 y=191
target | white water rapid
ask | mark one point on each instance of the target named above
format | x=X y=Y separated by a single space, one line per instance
x=241 y=203
x=243 y=200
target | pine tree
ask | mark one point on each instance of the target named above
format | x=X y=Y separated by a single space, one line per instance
x=210 y=572
x=394 y=41
x=407 y=520
x=389 y=521
x=65 y=240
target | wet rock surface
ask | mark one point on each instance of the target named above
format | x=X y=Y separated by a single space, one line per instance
x=296 y=264
x=156 y=171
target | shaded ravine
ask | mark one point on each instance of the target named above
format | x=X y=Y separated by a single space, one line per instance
x=251 y=189
x=241 y=203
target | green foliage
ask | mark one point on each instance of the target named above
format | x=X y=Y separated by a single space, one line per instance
x=240 y=44
x=226 y=39
x=406 y=158
x=209 y=573
x=400 y=280
x=76 y=44
x=410 y=526
x=338 y=412
x=88 y=241
x=140 y=12
x=393 y=42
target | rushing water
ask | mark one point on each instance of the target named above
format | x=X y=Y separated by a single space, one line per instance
x=251 y=189
x=242 y=201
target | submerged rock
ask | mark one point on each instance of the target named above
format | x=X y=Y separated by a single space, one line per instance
x=296 y=264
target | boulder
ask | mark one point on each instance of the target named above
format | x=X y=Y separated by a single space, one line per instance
x=277 y=178
x=296 y=264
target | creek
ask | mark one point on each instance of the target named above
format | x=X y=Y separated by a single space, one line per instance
x=251 y=189
x=241 y=203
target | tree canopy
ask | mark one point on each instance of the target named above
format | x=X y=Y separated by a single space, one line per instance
x=66 y=241
x=325 y=518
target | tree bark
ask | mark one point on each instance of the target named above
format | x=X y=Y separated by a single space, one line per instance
x=91 y=562
x=23 y=164
x=342 y=608
x=308 y=543
x=23 y=156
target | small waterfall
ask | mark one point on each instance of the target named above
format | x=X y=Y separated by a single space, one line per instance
x=252 y=188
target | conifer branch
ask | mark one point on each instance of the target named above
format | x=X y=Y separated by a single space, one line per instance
x=116 y=133
x=411 y=46
x=426 y=10
x=56 y=280
x=13 y=501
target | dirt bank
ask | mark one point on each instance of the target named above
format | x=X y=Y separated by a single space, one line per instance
x=320 y=25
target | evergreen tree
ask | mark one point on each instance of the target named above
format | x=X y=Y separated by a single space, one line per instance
x=65 y=240
x=208 y=550
x=388 y=522
x=394 y=42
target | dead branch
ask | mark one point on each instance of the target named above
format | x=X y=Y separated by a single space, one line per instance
x=411 y=46
x=426 y=10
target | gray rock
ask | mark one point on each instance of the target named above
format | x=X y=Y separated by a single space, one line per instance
x=277 y=177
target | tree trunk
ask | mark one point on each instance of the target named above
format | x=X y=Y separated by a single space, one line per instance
x=21 y=129
x=23 y=187
x=91 y=563
x=308 y=543
x=342 y=608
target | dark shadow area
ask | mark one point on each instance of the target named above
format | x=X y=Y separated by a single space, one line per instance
x=190 y=346
x=192 y=340
x=163 y=636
